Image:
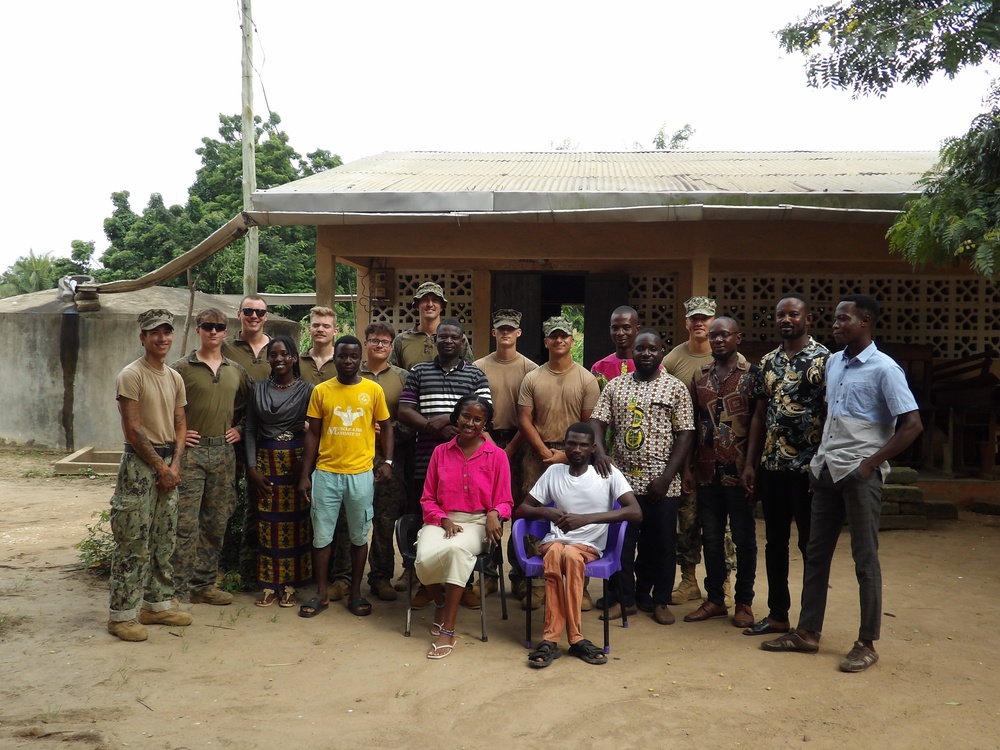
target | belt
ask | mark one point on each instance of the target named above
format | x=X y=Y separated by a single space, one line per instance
x=287 y=437
x=507 y=435
x=554 y=446
x=221 y=440
x=163 y=451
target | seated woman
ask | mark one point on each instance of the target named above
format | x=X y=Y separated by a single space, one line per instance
x=274 y=441
x=466 y=497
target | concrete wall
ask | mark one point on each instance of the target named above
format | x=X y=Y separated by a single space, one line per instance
x=57 y=378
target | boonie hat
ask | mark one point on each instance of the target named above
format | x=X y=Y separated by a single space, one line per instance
x=429 y=287
x=557 y=323
x=506 y=317
x=699 y=306
x=154 y=318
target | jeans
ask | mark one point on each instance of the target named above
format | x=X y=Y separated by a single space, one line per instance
x=656 y=541
x=716 y=504
x=858 y=501
x=785 y=497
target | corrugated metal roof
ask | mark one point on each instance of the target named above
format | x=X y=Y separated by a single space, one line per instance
x=567 y=180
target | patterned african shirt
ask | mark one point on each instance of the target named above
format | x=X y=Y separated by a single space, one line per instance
x=644 y=415
x=795 y=392
x=724 y=412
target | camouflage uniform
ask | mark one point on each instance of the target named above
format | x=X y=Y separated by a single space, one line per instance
x=144 y=525
x=389 y=502
x=206 y=502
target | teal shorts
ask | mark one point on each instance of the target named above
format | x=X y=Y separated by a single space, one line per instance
x=355 y=492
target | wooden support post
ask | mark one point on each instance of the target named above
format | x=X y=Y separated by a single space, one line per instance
x=482 y=312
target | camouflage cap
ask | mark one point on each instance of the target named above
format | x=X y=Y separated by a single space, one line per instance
x=154 y=318
x=506 y=317
x=429 y=287
x=557 y=323
x=699 y=306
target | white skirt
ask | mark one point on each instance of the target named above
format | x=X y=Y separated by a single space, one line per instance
x=441 y=560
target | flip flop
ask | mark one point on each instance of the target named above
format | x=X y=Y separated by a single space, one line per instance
x=790 y=642
x=588 y=652
x=267 y=598
x=313 y=607
x=546 y=653
x=440 y=652
x=359 y=606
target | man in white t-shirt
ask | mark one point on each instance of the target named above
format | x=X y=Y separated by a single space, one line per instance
x=579 y=504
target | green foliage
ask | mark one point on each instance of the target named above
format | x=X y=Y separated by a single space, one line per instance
x=96 y=548
x=958 y=215
x=574 y=314
x=142 y=243
x=31 y=273
x=867 y=46
x=679 y=139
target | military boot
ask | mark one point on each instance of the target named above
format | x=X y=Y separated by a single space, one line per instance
x=687 y=589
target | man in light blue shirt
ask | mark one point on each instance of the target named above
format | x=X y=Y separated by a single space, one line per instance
x=866 y=394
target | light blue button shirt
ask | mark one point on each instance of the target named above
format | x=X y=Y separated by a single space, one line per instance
x=864 y=395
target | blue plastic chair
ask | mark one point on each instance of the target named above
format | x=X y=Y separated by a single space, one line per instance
x=604 y=567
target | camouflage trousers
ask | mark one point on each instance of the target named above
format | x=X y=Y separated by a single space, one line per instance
x=144 y=526
x=689 y=536
x=206 y=501
x=388 y=505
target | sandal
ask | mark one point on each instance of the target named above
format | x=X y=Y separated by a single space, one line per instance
x=313 y=607
x=546 y=653
x=359 y=606
x=267 y=598
x=436 y=626
x=588 y=652
x=440 y=652
x=287 y=597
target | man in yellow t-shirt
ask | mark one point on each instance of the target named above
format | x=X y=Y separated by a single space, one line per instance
x=340 y=446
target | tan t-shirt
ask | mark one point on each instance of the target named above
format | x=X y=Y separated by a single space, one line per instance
x=159 y=394
x=558 y=399
x=505 y=385
x=683 y=365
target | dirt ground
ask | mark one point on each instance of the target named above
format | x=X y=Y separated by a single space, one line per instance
x=246 y=677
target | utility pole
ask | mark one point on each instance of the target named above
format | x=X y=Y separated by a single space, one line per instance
x=249 y=151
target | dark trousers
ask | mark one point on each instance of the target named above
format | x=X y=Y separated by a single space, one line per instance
x=859 y=502
x=785 y=497
x=655 y=539
x=716 y=504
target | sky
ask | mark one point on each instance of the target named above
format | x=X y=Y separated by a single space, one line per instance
x=116 y=95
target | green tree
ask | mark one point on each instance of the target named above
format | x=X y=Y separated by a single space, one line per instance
x=142 y=243
x=675 y=142
x=867 y=47
x=29 y=273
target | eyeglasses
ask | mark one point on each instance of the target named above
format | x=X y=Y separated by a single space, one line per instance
x=374 y=343
x=251 y=311
x=220 y=327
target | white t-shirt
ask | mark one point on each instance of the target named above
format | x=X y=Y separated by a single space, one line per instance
x=587 y=493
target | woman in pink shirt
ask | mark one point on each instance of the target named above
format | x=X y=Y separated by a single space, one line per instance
x=466 y=497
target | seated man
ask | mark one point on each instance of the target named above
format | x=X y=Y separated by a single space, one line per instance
x=582 y=504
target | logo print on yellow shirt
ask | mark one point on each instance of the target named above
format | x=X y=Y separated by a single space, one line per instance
x=348 y=417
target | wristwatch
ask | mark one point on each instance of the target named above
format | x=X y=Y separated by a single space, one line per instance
x=388 y=462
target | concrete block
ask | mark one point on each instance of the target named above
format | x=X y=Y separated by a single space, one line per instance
x=913 y=509
x=900 y=493
x=941 y=510
x=890 y=508
x=902 y=475
x=986 y=506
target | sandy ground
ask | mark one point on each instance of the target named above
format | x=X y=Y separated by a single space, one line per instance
x=246 y=677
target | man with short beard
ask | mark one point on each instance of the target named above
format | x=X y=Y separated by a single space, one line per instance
x=791 y=407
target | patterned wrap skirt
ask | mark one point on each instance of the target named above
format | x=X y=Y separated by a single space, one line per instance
x=284 y=532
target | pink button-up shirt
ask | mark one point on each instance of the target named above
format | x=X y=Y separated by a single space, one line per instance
x=472 y=485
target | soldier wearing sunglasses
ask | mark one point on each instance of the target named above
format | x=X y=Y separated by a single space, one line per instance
x=217 y=388
x=247 y=347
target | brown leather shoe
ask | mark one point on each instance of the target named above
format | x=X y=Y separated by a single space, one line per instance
x=706 y=611
x=384 y=590
x=663 y=615
x=615 y=611
x=420 y=599
x=743 y=618
x=470 y=597
x=338 y=590
x=535 y=600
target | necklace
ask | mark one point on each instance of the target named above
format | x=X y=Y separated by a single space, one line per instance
x=281 y=387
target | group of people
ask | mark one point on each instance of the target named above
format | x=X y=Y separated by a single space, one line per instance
x=339 y=441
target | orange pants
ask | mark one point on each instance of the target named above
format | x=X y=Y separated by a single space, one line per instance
x=562 y=600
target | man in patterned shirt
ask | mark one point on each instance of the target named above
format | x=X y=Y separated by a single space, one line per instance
x=788 y=424
x=650 y=413
x=725 y=409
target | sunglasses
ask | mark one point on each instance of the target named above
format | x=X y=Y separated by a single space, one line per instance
x=251 y=311
x=220 y=327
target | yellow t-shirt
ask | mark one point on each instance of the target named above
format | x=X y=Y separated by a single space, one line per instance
x=348 y=414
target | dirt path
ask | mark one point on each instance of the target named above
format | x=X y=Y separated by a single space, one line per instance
x=245 y=677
